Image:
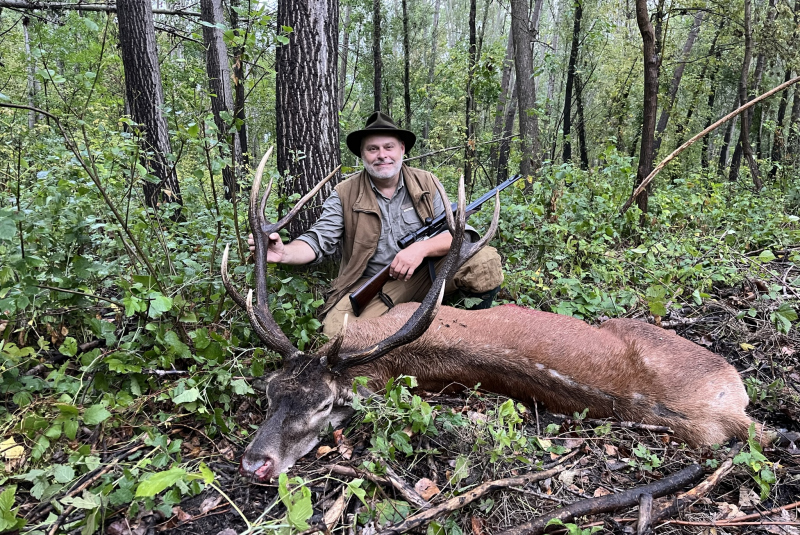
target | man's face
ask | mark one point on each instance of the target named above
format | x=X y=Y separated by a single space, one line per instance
x=382 y=156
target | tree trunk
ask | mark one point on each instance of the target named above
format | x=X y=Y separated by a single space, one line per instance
x=137 y=38
x=777 y=141
x=221 y=92
x=376 y=54
x=406 y=68
x=624 y=93
x=726 y=143
x=526 y=88
x=502 y=102
x=650 y=102
x=33 y=88
x=744 y=147
x=571 y=68
x=306 y=114
x=238 y=86
x=676 y=80
x=343 y=56
x=581 y=125
x=431 y=73
x=505 y=145
x=469 y=150
x=793 y=143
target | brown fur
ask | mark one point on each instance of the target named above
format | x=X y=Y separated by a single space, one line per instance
x=625 y=369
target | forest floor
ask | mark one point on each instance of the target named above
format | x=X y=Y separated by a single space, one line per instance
x=588 y=460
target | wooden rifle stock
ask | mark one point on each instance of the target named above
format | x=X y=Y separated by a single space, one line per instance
x=364 y=294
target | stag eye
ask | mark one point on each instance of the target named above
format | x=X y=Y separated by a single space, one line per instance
x=326 y=407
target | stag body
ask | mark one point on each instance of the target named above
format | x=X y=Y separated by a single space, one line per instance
x=624 y=369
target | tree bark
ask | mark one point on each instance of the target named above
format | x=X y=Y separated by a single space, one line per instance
x=431 y=73
x=145 y=98
x=406 y=68
x=469 y=150
x=306 y=113
x=580 y=124
x=776 y=155
x=676 y=80
x=743 y=146
x=650 y=102
x=376 y=53
x=526 y=88
x=238 y=86
x=793 y=142
x=505 y=145
x=32 y=88
x=726 y=143
x=502 y=102
x=221 y=92
x=571 y=68
x=344 y=55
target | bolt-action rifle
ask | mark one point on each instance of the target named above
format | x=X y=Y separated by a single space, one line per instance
x=433 y=226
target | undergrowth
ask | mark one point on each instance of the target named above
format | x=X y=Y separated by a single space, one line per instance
x=122 y=354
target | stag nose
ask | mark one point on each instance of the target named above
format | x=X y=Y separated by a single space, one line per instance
x=260 y=469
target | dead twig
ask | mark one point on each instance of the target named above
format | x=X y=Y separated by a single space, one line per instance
x=468 y=497
x=632 y=425
x=612 y=502
x=406 y=490
x=670 y=509
x=645 y=514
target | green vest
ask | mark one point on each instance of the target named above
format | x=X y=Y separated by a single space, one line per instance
x=362 y=224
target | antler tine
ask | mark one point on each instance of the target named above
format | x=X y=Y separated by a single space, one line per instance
x=226 y=281
x=270 y=333
x=469 y=249
x=421 y=319
x=260 y=317
x=307 y=197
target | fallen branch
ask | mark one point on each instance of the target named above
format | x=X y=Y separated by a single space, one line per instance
x=731 y=115
x=468 y=497
x=612 y=502
x=406 y=490
x=760 y=514
x=669 y=509
x=108 y=8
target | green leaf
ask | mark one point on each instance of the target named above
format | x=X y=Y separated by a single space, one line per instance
x=95 y=414
x=208 y=475
x=187 y=396
x=159 y=481
x=63 y=473
x=69 y=348
x=766 y=256
x=159 y=304
x=90 y=24
x=194 y=129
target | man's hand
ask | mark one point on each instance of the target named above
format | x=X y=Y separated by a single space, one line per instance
x=276 y=251
x=407 y=261
x=294 y=252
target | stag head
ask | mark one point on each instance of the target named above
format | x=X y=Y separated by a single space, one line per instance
x=308 y=394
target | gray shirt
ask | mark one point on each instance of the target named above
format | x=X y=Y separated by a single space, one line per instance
x=398 y=218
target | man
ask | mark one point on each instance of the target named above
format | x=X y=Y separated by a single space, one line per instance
x=367 y=214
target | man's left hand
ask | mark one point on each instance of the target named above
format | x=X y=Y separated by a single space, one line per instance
x=407 y=261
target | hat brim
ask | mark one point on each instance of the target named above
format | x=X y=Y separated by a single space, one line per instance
x=354 y=139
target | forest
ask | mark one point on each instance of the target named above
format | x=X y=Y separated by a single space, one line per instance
x=659 y=147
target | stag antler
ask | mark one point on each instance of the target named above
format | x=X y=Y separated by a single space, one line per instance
x=260 y=317
x=422 y=318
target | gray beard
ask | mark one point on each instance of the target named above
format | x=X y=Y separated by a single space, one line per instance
x=386 y=174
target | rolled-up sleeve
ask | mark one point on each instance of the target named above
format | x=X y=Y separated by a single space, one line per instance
x=323 y=237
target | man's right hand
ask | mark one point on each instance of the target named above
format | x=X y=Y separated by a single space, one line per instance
x=276 y=251
x=294 y=252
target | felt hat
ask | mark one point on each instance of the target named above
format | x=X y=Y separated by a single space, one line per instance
x=379 y=123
